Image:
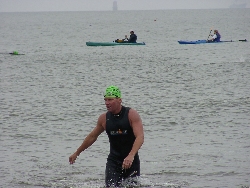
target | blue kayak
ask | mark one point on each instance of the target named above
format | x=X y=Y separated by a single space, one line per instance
x=113 y=43
x=205 y=41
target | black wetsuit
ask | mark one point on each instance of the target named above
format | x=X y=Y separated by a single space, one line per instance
x=121 y=138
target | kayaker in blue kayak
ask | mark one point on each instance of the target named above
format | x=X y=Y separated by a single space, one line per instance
x=132 y=38
x=216 y=37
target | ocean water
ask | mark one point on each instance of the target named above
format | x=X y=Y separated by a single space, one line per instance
x=193 y=99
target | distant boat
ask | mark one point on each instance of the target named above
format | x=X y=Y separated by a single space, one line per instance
x=115 y=7
x=206 y=42
x=243 y=5
x=114 y=43
x=238 y=4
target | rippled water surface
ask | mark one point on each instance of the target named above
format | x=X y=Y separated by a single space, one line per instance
x=193 y=99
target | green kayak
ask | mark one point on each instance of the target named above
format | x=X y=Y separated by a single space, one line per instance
x=112 y=43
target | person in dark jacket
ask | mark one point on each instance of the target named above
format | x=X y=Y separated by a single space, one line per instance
x=124 y=128
x=132 y=37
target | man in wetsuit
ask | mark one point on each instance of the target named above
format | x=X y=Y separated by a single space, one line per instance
x=124 y=128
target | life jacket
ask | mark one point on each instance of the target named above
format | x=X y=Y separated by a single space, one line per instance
x=218 y=37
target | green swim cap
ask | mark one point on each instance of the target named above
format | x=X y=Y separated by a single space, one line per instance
x=113 y=91
x=15 y=52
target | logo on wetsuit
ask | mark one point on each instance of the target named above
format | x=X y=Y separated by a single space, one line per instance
x=119 y=132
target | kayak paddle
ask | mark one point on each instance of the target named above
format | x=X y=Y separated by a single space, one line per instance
x=209 y=33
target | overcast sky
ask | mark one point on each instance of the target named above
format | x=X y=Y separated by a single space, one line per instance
x=106 y=5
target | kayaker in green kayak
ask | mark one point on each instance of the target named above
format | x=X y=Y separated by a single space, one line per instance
x=132 y=38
